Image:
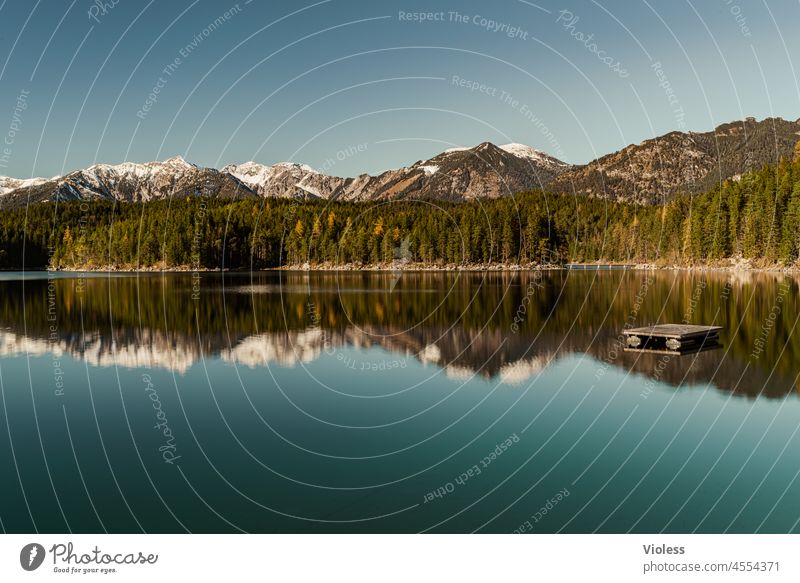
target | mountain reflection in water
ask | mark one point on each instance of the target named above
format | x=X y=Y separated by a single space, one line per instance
x=503 y=326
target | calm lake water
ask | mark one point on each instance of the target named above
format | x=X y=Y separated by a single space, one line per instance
x=375 y=402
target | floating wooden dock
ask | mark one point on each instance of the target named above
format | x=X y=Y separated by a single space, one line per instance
x=672 y=338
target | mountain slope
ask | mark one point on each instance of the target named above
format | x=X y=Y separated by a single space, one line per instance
x=488 y=171
x=131 y=182
x=485 y=171
x=456 y=174
x=650 y=173
x=8 y=184
x=286 y=180
x=653 y=171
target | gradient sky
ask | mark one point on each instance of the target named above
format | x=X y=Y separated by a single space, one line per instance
x=350 y=87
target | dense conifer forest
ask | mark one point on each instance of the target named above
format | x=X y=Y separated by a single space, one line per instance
x=755 y=217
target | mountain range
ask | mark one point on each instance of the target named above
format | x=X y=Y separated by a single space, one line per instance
x=649 y=173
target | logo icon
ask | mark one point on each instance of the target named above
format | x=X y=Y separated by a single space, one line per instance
x=31 y=556
x=402 y=256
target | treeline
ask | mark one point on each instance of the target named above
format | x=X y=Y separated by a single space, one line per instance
x=755 y=217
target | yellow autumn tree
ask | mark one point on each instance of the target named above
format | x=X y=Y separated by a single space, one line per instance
x=378 y=230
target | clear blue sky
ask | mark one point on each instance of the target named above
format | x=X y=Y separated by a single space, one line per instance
x=355 y=87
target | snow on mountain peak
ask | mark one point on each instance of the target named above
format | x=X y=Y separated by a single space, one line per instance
x=439 y=176
x=528 y=153
x=138 y=170
x=7 y=184
x=249 y=166
x=522 y=150
x=297 y=166
x=251 y=173
x=178 y=161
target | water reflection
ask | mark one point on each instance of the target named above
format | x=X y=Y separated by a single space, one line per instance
x=504 y=327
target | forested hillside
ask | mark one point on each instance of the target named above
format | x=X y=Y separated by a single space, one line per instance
x=653 y=171
x=755 y=217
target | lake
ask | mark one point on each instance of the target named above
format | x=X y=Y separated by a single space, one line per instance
x=396 y=402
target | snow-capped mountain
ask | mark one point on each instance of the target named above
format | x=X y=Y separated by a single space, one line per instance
x=287 y=180
x=485 y=171
x=8 y=184
x=534 y=155
x=650 y=172
x=131 y=182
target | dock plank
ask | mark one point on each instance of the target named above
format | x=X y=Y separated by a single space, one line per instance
x=678 y=331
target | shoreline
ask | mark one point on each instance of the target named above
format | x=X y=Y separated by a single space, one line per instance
x=738 y=267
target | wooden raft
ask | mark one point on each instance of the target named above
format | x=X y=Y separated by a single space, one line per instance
x=672 y=338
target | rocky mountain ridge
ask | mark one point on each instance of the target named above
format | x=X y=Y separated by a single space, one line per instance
x=457 y=174
x=649 y=173
x=653 y=171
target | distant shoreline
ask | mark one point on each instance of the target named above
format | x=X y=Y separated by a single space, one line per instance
x=738 y=267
